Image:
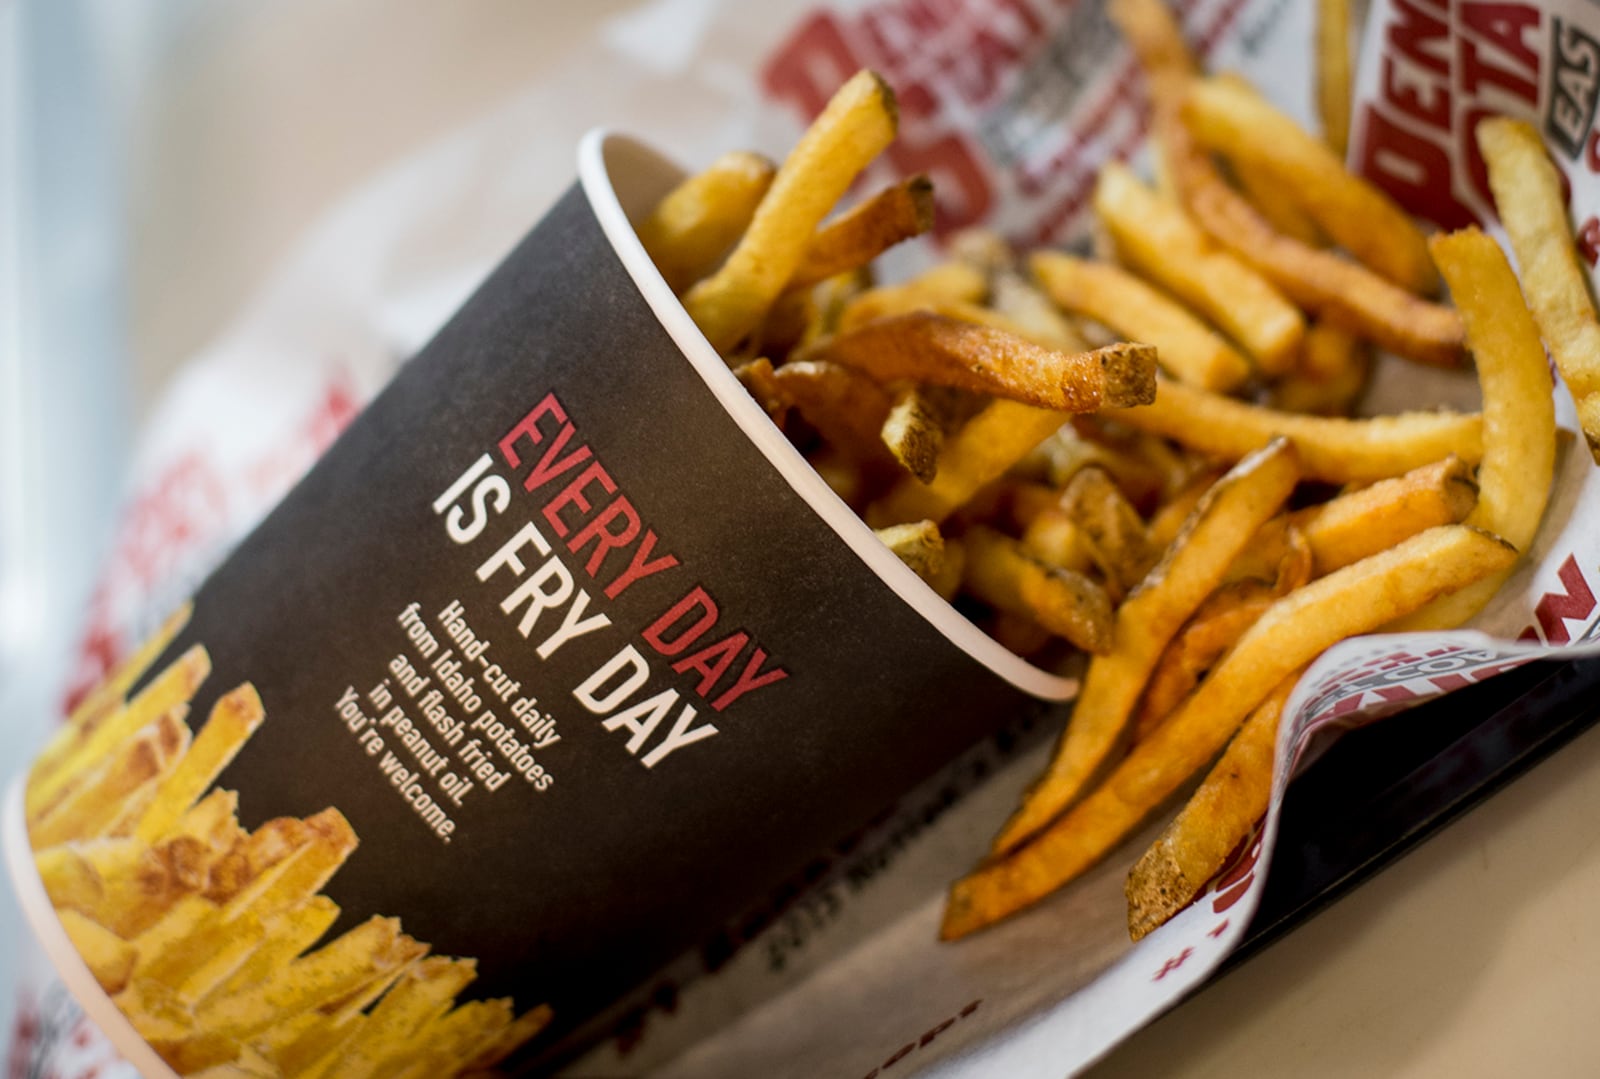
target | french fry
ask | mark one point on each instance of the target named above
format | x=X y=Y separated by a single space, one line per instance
x=1234 y=120
x=1001 y=574
x=950 y=283
x=155 y=1011
x=1519 y=424
x=173 y=686
x=421 y=994
x=1156 y=238
x=161 y=945
x=1054 y=539
x=690 y=229
x=1153 y=33
x=1195 y=846
x=947 y=581
x=1032 y=315
x=513 y=1037
x=1188 y=349
x=288 y=935
x=109 y=958
x=107 y=698
x=980 y=452
x=756 y=376
x=233 y=720
x=1110 y=527
x=919 y=545
x=69 y=879
x=1334 y=78
x=1332 y=449
x=1320 y=281
x=857 y=124
x=1528 y=198
x=328 y=841
x=981 y=359
x=334 y=970
x=846 y=406
x=1165 y=523
x=1210 y=540
x=1331 y=374
x=914 y=434
x=95 y=803
x=1276 y=205
x=1292 y=633
x=1363 y=522
x=865 y=231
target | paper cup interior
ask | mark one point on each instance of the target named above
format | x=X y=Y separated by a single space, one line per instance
x=623 y=179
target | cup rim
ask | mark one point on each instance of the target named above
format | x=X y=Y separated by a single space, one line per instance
x=594 y=176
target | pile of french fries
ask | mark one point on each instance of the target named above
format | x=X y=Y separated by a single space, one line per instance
x=203 y=934
x=1150 y=456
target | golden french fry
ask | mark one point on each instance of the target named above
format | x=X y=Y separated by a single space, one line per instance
x=1293 y=632
x=696 y=223
x=161 y=946
x=853 y=129
x=1528 y=198
x=914 y=433
x=950 y=283
x=865 y=231
x=71 y=882
x=109 y=958
x=233 y=720
x=919 y=545
x=1334 y=77
x=1239 y=123
x=828 y=302
x=1330 y=377
x=328 y=841
x=1031 y=314
x=1188 y=349
x=1332 y=449
x=982 y=359
x=1519 y=423
x=1110 y=527
x=982 y=450
x=1158 y=240
x=172 y=687
x=155 y=1011
x=1054 y=539
x=1363 y=522
x=1000 y=573
x=288 y=935
x=503 y=1044
x=423 y=993
x=1218 y=624
x=1330 y=286
x=1213 y=823
x=1276 y=204
x=107 y=698
x=336 y=969
x=1018 y=633
x=1190 y=569
x=1168 y=519
x=93 y=805
x=1154 y=35
x=846 y=406
x=947 y=582
x=756 y=376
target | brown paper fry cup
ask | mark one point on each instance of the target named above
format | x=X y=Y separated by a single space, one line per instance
x=561 y=657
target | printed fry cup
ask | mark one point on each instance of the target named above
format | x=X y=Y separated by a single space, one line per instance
x=559 y=658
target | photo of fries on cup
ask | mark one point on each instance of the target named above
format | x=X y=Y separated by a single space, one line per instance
x=691 y=543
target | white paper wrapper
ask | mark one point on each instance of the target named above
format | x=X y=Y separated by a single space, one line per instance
x=1012 y=105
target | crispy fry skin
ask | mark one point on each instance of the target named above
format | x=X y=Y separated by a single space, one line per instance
x=981 y=359
x=1333 y=449
x=865 y=231
x=846 y=406
x=1527 y=195
x=691 y=228
x=1334 y=76
x=1189 y=349
x=919 y=545
x=1292 y=633
x=855 y=127
x=1519 y=423
x=1156 y=238
x=1000 y=573
x=1211 y=538
x=1195 y=846
x=1228 y=116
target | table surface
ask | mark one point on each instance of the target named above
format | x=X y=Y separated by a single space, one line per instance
x=1475 y=955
